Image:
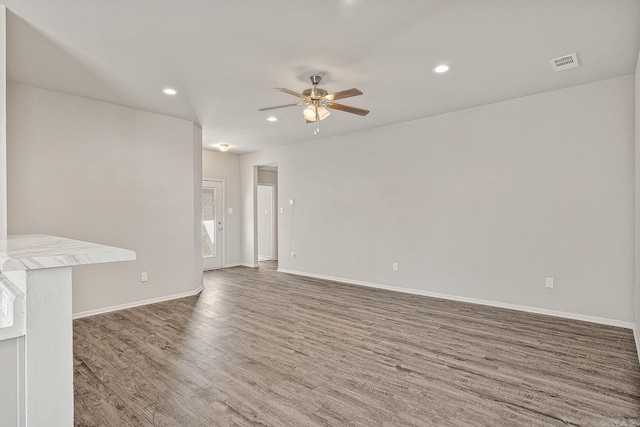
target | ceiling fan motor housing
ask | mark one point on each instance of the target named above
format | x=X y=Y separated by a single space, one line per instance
x=315 y=79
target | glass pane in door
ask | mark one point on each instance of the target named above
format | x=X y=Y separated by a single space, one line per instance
x=208 y=222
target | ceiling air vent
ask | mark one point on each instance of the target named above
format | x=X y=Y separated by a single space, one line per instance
x=564 y=62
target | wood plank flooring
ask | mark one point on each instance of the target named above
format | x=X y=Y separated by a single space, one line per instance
x=259 y=347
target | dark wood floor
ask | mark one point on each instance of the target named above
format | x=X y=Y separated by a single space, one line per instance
x=264 y=348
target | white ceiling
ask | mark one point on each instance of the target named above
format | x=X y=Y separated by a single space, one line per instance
x=225 y=56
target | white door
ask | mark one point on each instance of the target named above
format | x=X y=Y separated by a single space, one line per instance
x=265 y=223
x=211 y=224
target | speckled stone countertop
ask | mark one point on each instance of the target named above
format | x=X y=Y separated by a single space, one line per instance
x=37 y=251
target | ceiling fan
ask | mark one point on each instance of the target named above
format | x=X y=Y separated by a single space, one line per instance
x=317 y=100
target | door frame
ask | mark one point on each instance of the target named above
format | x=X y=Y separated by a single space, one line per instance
x=224 y=219
x=274 y=218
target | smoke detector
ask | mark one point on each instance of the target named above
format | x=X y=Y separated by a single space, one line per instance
x=565 y=62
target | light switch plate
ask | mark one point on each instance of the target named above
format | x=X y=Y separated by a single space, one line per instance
x=229 y=210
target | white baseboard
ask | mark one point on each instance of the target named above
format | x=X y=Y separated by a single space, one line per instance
x=235 y=264
x=136 y=304
x=574 y=316
x=636 y=335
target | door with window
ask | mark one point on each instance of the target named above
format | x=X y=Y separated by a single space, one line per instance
x=212 y=224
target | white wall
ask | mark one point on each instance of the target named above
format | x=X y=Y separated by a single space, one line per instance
x=3 y=116
x=483 y=203
x=637 y=197
x=93 y=171
x=227 y=166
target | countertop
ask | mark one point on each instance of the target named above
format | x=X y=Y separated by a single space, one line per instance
x=38 y=251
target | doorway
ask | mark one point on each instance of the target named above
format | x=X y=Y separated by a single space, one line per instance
x=266 y=213
x=212 y=224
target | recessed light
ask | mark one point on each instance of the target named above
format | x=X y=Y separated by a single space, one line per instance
x=441 y=69
x=272 y=119
x=169 y=91
x=224 y=147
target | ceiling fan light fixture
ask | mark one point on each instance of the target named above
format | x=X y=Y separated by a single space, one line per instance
x=309 y=112
x=323 y=113
x=224 y=147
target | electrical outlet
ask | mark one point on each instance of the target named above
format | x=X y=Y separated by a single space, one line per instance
x=143 y=277
x=293 y=255
x=549 y=282
x=395 y=266
x=281 y=209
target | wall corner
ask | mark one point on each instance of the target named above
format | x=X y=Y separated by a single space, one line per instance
x=197 y=206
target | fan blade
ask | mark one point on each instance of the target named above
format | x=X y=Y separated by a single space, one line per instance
x=290 y=92
x=279 y=106
x=347 y=109
x=343 y=94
